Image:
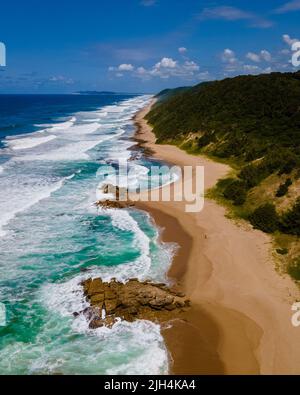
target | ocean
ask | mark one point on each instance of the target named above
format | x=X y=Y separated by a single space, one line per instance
x=55 y=151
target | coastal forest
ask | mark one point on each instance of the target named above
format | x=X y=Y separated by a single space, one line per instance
x=253 y=124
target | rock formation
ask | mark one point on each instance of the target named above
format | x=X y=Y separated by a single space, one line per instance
x=120 y=201
x=106 y=204
x=119 y=193
x=131 y=301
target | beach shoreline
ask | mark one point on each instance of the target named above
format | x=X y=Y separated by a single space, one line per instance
x=240 y=322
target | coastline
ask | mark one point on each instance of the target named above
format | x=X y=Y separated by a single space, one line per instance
x=240 y=322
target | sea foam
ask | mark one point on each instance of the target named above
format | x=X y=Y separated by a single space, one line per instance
x=60 y=125
x=28 y=142
x=140 y=342
x=72 y=348
x=23 y=199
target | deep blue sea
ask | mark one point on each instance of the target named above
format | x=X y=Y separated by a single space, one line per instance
x=55 y=151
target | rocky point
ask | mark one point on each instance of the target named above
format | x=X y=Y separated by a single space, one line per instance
x=131 y=301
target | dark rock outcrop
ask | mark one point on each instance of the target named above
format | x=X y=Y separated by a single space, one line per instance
x=131 y=301
x=106 y=204
x=119 y=201
x=119 y=193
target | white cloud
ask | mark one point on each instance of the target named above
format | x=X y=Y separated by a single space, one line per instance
x=56 y=78
x=168 y=67
x=268 y=70
x=261 y=23
x=182 y=50
x=167 y=63
x=126 y=67
x=254 y=69
x=234 y=14
x=61 y=79
x=165 y=68
x=203 y=76
x=288 y=7
x=224 y=12
x=141 y=70
x=253 y=56
x=251 y=68
x=228 y=56
x=191 y=66
x=189 y=70
x=285 y=52
x=264 y=55
x=288 y=40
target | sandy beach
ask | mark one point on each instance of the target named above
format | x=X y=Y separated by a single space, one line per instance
x=240 y=322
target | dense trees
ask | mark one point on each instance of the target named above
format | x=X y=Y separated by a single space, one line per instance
x=290 y=221
x=294 y=269
x=243 y=117
x=236 y=191
x=265 y=218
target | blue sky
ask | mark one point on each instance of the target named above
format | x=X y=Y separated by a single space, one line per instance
x=141 y=45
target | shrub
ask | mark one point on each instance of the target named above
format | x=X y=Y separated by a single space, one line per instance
x=283 y=188
x=290 y=221
x=224 y=182
x=265 y=218
x=252 y=175
x=204 y=140
x=294 y=269
x=297 y=175
x=236 y=191
x=249 y=175
x=282 y=251
x=290 y=163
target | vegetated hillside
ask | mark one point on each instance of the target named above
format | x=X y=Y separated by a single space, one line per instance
x=254 y=123
x=168 y=93
x=257 y=111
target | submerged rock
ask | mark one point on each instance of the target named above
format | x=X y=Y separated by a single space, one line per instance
x=131 y=301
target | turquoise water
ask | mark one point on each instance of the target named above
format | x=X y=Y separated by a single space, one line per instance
x=52 y=237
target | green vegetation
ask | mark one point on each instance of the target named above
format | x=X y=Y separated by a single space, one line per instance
x=265 y=218
x=252 y=122
x=236 y=191
x=282 y=251
x=167 y=93
x=243 y=117
x=294 y=269
x=284 y=188
x=290 y=220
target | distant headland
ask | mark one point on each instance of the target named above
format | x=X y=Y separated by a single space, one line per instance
x=101 y=93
